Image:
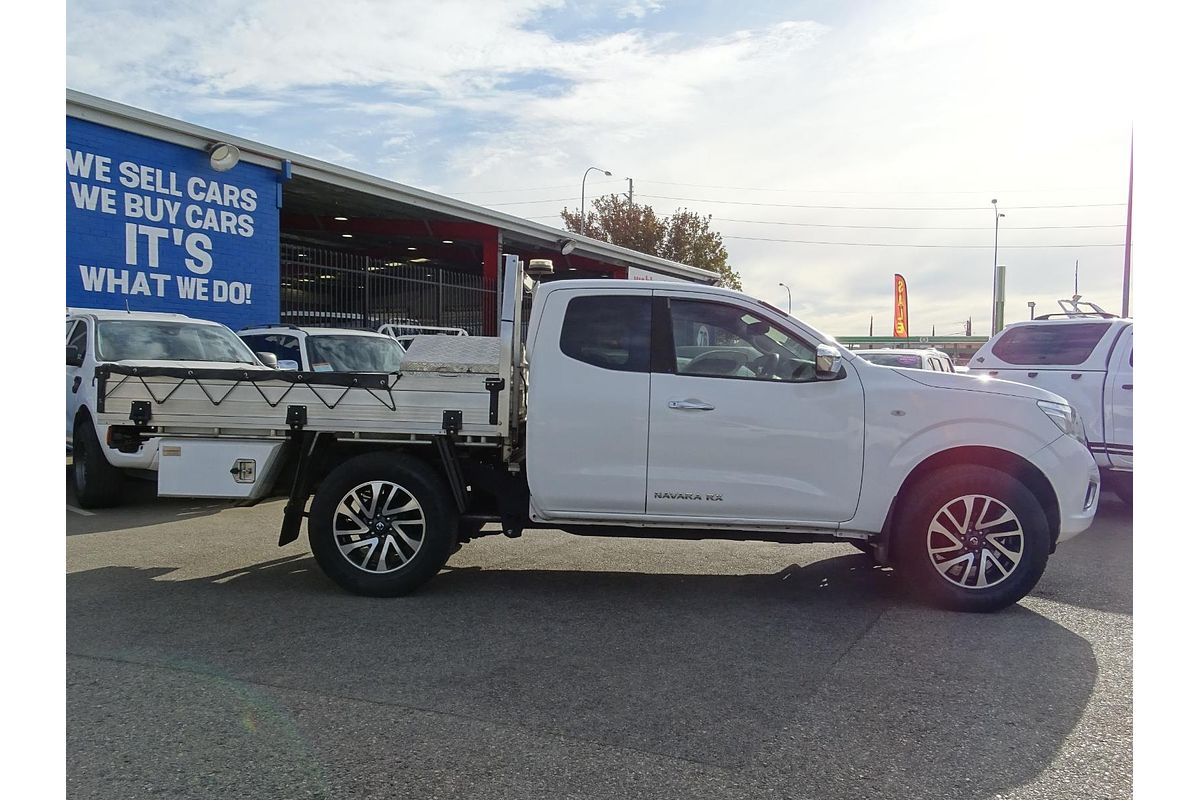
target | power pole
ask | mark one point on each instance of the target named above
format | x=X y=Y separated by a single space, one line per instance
x=871 y=329
x=1128 y=234
x=630 y=194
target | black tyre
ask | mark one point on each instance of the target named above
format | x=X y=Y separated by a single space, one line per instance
x=972 y=538
x=382 y=524
x=97 y=483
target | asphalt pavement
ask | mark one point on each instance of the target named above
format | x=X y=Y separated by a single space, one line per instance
x=204 y=661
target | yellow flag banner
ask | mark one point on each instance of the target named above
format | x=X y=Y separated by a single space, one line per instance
x=900 y=326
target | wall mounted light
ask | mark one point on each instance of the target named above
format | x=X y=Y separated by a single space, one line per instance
x=223 y=156
x=568 y=247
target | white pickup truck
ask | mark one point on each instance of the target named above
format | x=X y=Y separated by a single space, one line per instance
x=133 y=339
x=1087 y=358
x=636 y=408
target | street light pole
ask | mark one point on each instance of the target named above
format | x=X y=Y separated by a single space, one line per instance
x=789 y=291
x=995 y=264
x=1031 y=305
x=583 y=191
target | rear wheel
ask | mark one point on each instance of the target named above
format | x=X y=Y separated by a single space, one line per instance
x=97 y=483
x=972 y=538
x=382 y=524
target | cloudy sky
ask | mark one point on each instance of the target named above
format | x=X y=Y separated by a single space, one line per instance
x=834 y=143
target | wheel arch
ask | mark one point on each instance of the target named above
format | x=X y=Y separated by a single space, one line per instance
x=82 y=414
x=978 y=455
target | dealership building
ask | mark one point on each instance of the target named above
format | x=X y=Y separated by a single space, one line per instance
x=163 y=215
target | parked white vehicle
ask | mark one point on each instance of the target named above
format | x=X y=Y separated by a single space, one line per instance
x=406 y=333
x=609 y=419
x=325 y=349
x=136 y=340
x=930 y=359
x=1086 y=358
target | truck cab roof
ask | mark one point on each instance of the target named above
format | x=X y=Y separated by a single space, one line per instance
x=111 y=313
x=309 y=330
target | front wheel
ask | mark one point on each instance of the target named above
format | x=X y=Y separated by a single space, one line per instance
x=972 y=538
x=97 y=482
x=382 y=524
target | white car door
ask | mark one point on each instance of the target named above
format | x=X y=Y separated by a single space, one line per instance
x=77 y=338
x=740 y=429
x=587 y=405
x=1118 y=403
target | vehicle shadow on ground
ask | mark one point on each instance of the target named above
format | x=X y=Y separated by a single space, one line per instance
x=139 y=506
x=822 y=680
x=1105 y=548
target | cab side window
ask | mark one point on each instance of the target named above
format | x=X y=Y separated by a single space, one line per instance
x=717 y=340
x=610 y=332
x=78 y=340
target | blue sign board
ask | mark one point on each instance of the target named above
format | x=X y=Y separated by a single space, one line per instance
x=153 y=227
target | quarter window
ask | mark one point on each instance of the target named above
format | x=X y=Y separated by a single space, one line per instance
x=608 y=331
x=716 y=340
x=1054 y=343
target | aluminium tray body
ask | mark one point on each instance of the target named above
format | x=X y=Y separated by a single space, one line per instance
x=244 y=402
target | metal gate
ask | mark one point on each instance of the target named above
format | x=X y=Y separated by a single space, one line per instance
x=339 y=289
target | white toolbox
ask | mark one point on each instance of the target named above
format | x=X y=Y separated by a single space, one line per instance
x=230 y=468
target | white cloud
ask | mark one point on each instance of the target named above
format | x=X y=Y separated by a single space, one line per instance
x=881 y=106
x=638 y=9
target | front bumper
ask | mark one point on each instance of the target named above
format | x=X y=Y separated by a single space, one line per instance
x=1073 y=474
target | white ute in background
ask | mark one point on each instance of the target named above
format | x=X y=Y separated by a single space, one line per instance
x=645 y=409
x=1085 y=356
x=315 y=349
x=135 y=339
x=929 y=358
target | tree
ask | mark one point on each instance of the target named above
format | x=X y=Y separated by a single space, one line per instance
x=684 y=236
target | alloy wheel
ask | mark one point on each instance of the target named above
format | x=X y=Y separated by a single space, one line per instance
x=379 y=527
x=975 y=541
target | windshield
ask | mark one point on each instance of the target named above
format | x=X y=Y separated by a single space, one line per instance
x=351 y=353
x=893 y=359
x=161 y=340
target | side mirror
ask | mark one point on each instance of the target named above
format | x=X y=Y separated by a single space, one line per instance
x=74 y=357
x=269 y=360
x=288 y=364
x=829 y=362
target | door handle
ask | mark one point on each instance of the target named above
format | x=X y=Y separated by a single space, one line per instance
x=690 y=405
x=1127 y=386
x=75 y=384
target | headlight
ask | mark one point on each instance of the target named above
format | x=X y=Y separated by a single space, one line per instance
x=1062 y=415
